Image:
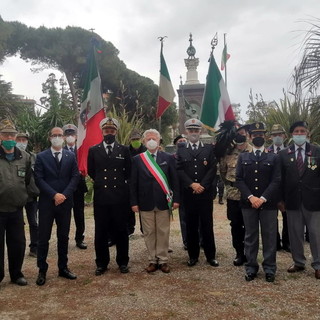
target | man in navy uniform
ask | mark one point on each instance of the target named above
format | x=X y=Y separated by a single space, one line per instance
x=109 y=165
x=258 y=178
x=70 y=132
x=197 y=168
x=300 y=165
x=278 y=136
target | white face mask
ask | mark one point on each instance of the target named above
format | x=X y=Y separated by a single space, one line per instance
x=193 y=137
x=21 y=145
x=57 y=141
x=152 y=144
x=70 y=139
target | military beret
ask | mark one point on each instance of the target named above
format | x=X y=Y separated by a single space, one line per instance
x=69 y=129
x=109 y=123
x=298 y=124
x=257 y=127
x=180 y=136
x=22 y=135
x=193 y=124
x=277 y=128
x=6 y=126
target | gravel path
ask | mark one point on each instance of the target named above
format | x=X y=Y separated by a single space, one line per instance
x=201 y=292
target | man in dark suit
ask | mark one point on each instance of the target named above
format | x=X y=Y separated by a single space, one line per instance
x=109 y=166
x=197 y=168
x=57 y=176
x=70 y=133
x=154 y=186
x=258 y=178
x=300 y=165
x=278 y=136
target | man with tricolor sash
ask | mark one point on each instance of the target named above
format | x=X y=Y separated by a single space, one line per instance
x=154 y=192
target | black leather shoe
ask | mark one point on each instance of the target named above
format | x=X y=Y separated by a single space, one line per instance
x=66 y=273
x=21 y=281
x=286 y=248
x=239 y=260
x=81 y=245
x=270 y=277
x=41 y=280
x=110 y=243
x=100 y=271
x=213 y=262
x=124 y=269
x=192 y=262
x=250 y=276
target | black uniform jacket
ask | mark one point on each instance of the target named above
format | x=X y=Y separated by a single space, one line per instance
x=145 y=191
x=110 y=173
x=304 y=189
x=259 y=177
x=197 y=166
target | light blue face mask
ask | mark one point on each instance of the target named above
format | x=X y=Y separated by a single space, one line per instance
x=277 y=140
x=299 y=139
x=21 y=145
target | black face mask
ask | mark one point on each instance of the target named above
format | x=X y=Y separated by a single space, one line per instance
x=181 y=144
x=240 y=138
x=109 y=138
x=258 y=141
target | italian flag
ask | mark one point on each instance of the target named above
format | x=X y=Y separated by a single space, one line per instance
x=166 y=91
x=216 y=106
x=91 y=112
x=225 y=57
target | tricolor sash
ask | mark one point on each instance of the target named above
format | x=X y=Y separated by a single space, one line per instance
x=158 y=174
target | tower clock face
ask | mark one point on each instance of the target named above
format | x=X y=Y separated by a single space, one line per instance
x=191 y=51
x=192 y=111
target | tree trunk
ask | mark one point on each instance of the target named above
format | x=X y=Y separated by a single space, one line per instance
x=73 y=92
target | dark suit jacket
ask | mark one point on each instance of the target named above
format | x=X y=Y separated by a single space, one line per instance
x=258 y=177
x=51 y=180
x=305 y=189
x=145 y=191
x=197 y=166
x=110 y=173
x=81 y=187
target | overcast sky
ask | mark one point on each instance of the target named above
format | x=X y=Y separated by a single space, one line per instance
x=264 y=38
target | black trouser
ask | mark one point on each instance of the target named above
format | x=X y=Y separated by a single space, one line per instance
x=78 y=214
x=31 y=211
x=234 y=214
x=12 y=229
x=61 y=214
x=285 y=233
x=199 y=210
x=131 y=221
x=111 y=223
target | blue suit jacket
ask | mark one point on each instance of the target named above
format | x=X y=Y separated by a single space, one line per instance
x=51 y=180
x=145 y=191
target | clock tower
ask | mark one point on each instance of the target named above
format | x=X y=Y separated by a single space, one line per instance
x=191 y=92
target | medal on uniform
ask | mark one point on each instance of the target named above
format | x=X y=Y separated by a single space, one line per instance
x=205 y=162
x=312 y=163
x=291 y=159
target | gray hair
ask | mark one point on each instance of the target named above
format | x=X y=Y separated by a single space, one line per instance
x=156 y=132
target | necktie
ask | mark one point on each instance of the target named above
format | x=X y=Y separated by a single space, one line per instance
x=258 y=153
x=56 y=157
x=109 y=150
x=71 y=149
x=278 y=149
x=300 y=161
x=153 y=156
x=194 y=147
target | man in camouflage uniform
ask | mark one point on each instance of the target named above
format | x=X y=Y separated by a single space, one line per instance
x=228 y=173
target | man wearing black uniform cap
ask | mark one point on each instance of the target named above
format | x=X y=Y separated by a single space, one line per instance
x=300 y=165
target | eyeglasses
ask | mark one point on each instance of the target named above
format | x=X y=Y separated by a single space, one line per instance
x=56 y=135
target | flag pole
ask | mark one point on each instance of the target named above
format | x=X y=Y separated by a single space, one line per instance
x=225 y=59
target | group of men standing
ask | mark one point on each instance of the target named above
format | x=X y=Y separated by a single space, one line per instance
x=146 y=180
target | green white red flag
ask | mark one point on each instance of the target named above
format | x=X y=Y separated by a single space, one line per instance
x=166 y=91
x=216 y=106
x=91 y=112
x=225 y=57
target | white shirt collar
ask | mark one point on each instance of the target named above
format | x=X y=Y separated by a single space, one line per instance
x=105 y=145
x=254 y=149
x=303 y=147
